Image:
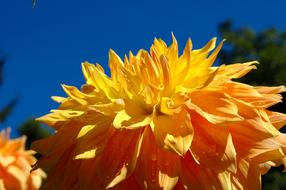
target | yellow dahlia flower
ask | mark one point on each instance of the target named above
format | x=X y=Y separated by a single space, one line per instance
x=15 y=165
x=163 y=121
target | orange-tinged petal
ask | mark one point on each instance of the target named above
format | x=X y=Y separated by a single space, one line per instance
x=195 y=176
x=277 y=119
x=242 y=132
x=215 y=107
x=2 y=185
x=252 y=95
x=271 y=90
x=235 y=71
x=248 y=176
x=55 y=143
x=66 y=166
x=88 y=179
x=118 y=159
x=177 y=139
x=92 y=139
x=269 y=149
x=156 y=168
x=210 y=149
x=129 y=183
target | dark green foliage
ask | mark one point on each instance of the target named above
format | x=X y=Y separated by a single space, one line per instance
x=274 y=180
x=269 y=48
x=6 y=110
x=33 y=130
x=2 y=61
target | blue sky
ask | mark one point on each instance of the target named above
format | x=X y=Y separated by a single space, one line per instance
x=46 y=45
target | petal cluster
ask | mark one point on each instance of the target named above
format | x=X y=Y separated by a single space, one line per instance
x=15 y=165
x=164 y=121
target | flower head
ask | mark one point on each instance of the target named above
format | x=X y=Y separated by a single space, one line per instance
x=15 y=165
x=163 y=121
